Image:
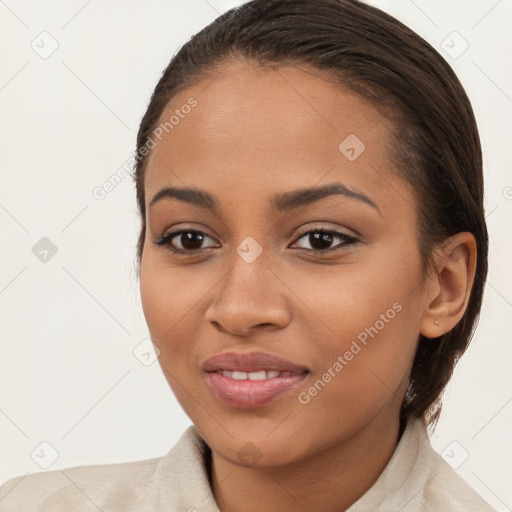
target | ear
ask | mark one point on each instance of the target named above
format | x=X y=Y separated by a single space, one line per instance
x=449 y=284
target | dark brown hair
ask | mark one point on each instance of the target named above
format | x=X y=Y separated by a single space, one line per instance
x=436 y=146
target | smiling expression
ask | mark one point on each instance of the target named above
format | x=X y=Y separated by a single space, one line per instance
x=228 y=184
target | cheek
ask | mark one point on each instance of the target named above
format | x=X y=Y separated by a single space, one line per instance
x=349 y=297
x=168 y=292
x=376 y=325
x=370 y=317
x=167 y=298
x=362 y=370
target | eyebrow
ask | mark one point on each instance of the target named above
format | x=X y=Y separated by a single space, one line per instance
x=283 y=202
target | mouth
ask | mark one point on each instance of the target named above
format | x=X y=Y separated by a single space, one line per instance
x=252 y=379
x=259 y=375
x=251 y=362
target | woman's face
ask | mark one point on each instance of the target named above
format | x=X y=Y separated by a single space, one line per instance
x=347 y=321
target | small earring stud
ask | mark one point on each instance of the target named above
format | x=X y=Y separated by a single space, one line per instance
x=436 y=321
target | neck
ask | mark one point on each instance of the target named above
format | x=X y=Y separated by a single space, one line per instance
x=331 y=480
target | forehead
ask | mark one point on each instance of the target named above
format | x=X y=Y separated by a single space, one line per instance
x=255 y=130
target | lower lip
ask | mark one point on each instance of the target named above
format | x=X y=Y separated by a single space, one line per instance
x=251 y=393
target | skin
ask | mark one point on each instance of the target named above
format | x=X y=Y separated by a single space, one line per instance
x=255 y=133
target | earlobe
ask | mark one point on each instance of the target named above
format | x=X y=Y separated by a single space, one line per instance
x=450 y=287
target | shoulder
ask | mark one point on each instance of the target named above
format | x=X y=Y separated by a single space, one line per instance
x=173 y=480
x=117 y=486
x=447 y=490
x=418 y=479
x=438 y=485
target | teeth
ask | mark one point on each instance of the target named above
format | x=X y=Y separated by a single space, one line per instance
x=258 y=375
x=261 y=375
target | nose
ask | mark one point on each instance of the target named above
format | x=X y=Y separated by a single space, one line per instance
x=250 y=296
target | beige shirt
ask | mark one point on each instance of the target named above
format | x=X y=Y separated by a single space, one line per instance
x=416 y=479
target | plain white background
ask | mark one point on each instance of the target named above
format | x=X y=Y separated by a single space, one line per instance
x=75 y=79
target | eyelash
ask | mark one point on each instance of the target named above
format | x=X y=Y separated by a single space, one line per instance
x=166 y=241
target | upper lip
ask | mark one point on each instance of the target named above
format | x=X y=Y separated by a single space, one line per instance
x=250 y=362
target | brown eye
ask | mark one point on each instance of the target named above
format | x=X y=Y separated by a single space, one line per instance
x=188 y=241
x=320 y=240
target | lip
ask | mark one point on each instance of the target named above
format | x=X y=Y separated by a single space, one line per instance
x=247 y=393
x=250 y=362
